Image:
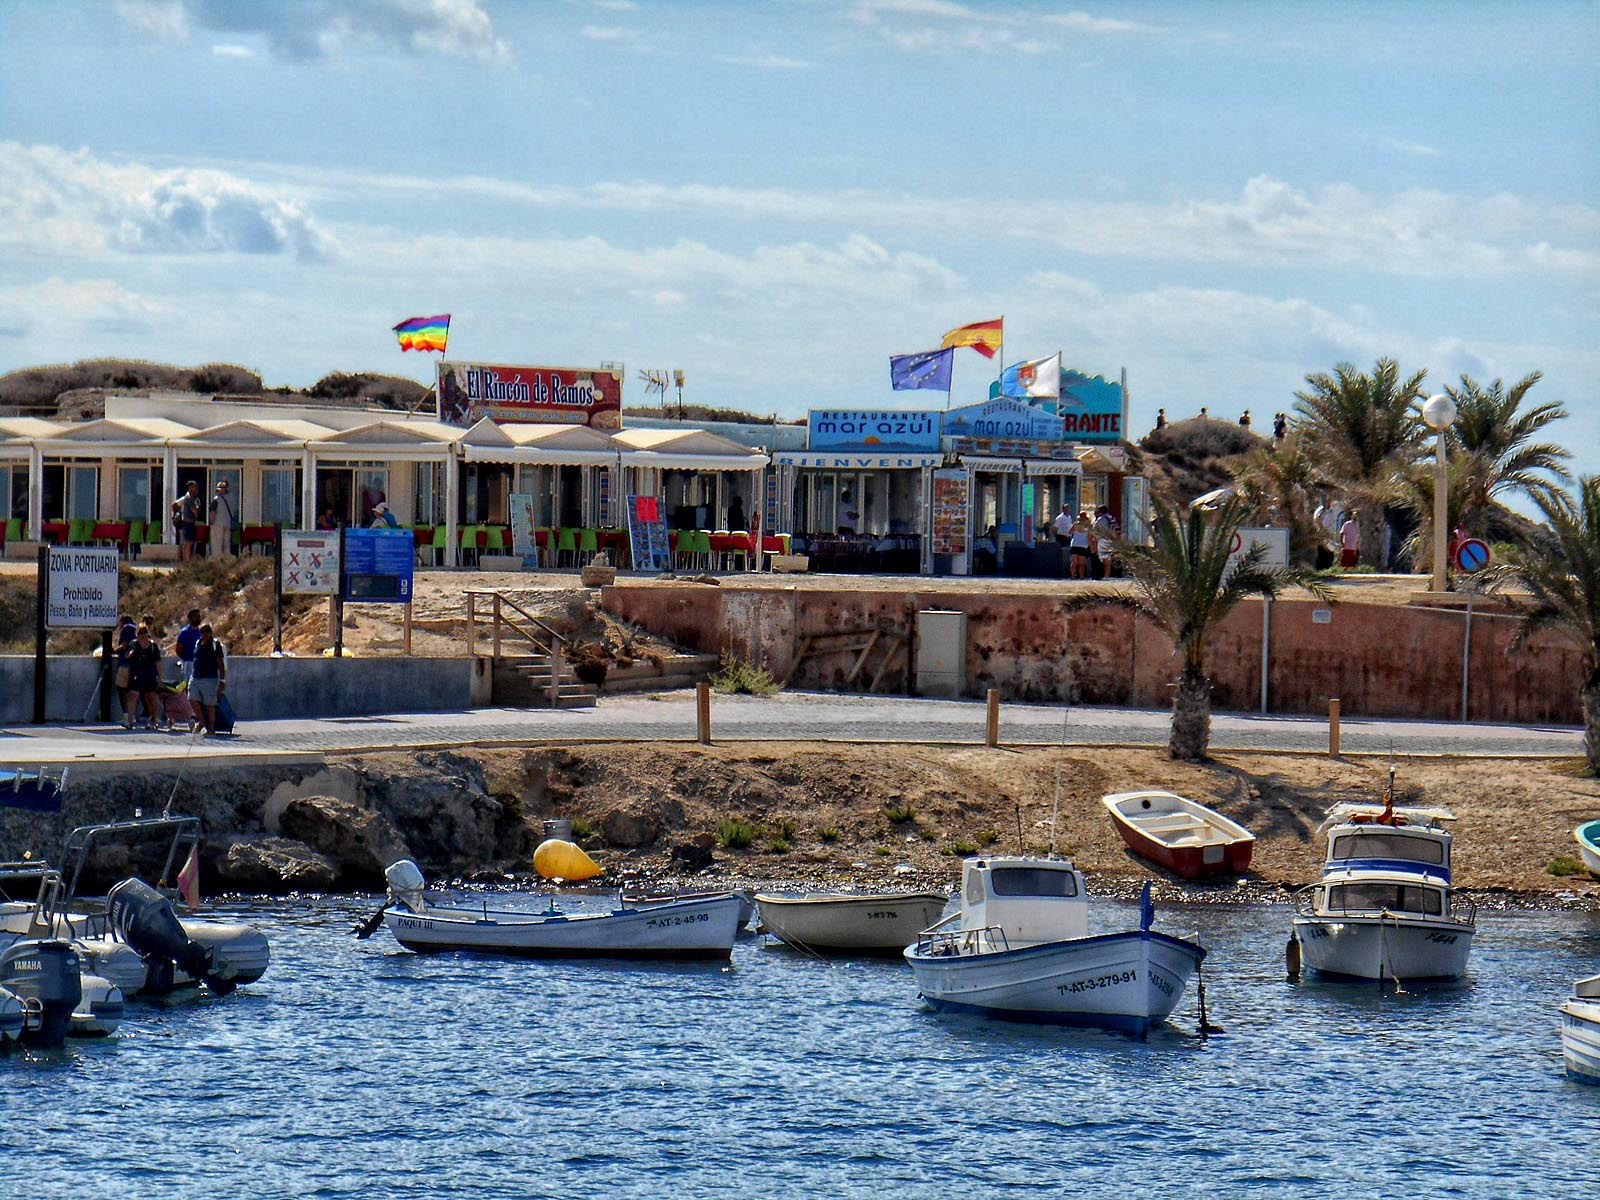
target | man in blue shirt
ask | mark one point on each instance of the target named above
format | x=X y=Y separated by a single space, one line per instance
x=188 y=637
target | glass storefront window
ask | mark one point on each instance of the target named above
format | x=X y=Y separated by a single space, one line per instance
x=278 y=496
x=372 y=486
x=83 y=493
x=133 y=494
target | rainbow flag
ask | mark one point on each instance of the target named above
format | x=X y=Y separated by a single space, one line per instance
x=983 y=336
x=424 y=333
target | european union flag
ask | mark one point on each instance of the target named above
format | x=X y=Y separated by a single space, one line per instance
x=928 y=371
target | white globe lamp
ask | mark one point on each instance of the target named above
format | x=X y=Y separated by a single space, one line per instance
x=1439 y=413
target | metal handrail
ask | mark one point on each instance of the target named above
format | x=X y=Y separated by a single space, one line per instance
x=935 y=941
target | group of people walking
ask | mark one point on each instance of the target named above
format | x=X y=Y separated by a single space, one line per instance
x=220 y=517
x=195 y=696
x=1089 y=541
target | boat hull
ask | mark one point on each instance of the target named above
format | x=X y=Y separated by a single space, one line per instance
x=1189 y=862
x=1588 y=838
x=1383 y=947
x=886 y=922
x=747 y=904
x=1580 y=1039
x=1121 y=981
x=1183 y=835
x=689 y=930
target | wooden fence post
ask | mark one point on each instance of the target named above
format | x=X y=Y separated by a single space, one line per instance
x=702 y=711
x=1333 y=728
x=991 y=736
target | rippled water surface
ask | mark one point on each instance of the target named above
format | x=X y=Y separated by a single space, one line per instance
x=357 y=1069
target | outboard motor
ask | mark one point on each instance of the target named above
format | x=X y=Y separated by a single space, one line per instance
x=13 y=1019
x=405 y=885
x=144 y=918
x=45 y=975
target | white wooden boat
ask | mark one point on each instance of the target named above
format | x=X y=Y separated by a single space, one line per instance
x=848 y=920
x=639 y=899
x=1587 y=836
x=1580 y=1031
x=1182 y=835
x=1020 y=948
x=1384 y=909
x=686 y=929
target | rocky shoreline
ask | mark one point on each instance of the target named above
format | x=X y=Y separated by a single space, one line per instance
x=798 y=816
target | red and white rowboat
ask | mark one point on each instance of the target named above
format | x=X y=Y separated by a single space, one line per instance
x=1182 y=835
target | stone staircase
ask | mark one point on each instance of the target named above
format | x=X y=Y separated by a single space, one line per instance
x=523 y=681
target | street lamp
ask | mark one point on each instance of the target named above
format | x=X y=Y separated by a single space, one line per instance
x=1438 y=414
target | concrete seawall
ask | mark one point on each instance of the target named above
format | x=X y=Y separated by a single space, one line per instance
x=1379 y=660
x=269 y=688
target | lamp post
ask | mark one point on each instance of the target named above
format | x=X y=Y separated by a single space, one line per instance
x=1438 y=414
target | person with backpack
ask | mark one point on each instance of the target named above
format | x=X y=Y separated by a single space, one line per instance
x=223 y=519
x=210 y=678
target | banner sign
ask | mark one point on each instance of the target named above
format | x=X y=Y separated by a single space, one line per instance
x=83 y=588
x=852 y=429
x=524 y=541
x=378 y=564
x=1091 y=407
x=950 y=489
x=310 y=562
x=647 y=533
x=1003 y=419
x=860 y=462
x=574 y=395
x=1274 y=544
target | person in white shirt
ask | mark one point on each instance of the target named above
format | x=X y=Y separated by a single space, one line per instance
x=223 y=519
x=1063 y=523
x=1349 y=542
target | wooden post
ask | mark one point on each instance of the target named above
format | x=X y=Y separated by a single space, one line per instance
x=497 y=627
x=1333 y=728
x=555 y=674
x=991 y=736
x=408 y=630
x=472 y=626
x=333 y=618
x=702 y=712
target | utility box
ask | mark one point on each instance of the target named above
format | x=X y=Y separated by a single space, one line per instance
x=941 y=652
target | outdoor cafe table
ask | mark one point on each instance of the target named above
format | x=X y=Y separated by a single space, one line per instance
x=55 y=532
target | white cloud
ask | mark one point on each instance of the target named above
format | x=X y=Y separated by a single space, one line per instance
x=63 y=202
x=222 y=50
x=615 y=34
x=766 y=62
x=1082 y=22
x=90 y=306
x=933 y=26
x=1413 y=149
x=320 y=29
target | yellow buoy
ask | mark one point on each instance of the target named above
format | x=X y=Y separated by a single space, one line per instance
x=556 y=859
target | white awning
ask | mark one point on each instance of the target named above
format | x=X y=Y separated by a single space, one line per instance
x=540 y=456
x=985 y=462
x=664 y=461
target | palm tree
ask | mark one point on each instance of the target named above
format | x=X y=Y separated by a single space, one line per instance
x=1364 y=431
x=1565 y=589
x=1497 y=440
x=1278 y=480
x=1186 y=588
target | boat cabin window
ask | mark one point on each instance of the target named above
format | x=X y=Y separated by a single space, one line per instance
x=1389 y=845
x=1033 y=881
x=1396 y=897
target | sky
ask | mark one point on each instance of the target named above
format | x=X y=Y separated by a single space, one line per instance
x=1220 y=198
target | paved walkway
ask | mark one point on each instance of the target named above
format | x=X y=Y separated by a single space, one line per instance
x=787 y=717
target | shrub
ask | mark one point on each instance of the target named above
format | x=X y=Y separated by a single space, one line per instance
x=581 y=829
x=962 y=848
x=1562 y=866
x=786 y=830
x=736 y=676
x=779 y=845
x=736 y=835
x=899 y=814
x=828 y=834
x=883 y=851
x=988 y=837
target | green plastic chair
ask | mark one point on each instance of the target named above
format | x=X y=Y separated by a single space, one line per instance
x=14 y=529
x=588 y=544
x=700 y=543
x=469 y=543
x=79 y=532
x=135 y=537
x=440 y=544
x=152 y=533
x=682 y=545
x=567 y=543
x=495 y=540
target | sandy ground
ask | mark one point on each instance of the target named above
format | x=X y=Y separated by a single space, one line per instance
x=876 y=815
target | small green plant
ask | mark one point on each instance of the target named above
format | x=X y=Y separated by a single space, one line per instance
x=779 y=845
x=962 y=848
x=883 y=851
x=736 y=835
x=899 y=814
x=786 y=830
x=581 y=829
x=827 y=833
x=1562 y=866
x=988 y=837
x=735 y=676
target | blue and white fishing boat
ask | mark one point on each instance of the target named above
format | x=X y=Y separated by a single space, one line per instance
x=1580 y=1031
x=1385 y=908
x=1019 y=948
x=36 y=790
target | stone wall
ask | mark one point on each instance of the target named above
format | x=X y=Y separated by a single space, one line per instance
x=1378 y=660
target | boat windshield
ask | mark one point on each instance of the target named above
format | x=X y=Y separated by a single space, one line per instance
x=1404 y=846
x=1395 y=897
x=1032 y=881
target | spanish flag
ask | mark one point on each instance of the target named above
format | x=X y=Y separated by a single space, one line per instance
x=985 y=336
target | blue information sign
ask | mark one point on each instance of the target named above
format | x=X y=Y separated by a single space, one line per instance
x=378 y=564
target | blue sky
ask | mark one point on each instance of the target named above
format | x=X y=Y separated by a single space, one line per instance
x=774 y=198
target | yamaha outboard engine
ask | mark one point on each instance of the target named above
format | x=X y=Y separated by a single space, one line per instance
x=45 y=975
x=143 y=918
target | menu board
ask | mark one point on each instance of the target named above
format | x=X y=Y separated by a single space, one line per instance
x=647 y=532
x=378 y=564
x=951 y=489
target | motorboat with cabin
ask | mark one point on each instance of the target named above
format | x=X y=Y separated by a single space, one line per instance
x=1384 y=908
x=1019 y=947
x=1580 y=1031
x=686 y=929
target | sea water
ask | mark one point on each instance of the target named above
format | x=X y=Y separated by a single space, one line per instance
x=354 y=1068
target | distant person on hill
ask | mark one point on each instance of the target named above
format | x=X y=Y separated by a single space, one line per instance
x=1205 y=413
x=1161 y=419
x=1244 y=421
x=1280 y=426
